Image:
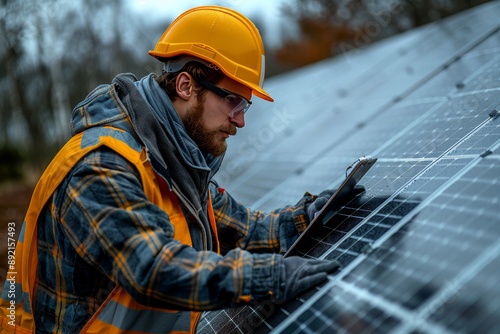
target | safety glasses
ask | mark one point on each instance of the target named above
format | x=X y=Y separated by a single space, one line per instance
x=232 y=103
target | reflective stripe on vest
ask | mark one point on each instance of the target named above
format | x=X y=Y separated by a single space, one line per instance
x=119 y=313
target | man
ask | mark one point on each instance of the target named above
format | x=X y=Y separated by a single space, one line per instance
x=126 y=231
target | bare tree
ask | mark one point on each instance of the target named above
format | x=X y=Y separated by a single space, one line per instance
x=52 y=54
x=27 y=83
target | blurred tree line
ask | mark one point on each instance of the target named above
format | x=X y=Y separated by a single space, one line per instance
x=326 y=28
x=53 y=52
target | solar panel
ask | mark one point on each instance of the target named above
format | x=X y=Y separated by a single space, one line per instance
x=420 y=249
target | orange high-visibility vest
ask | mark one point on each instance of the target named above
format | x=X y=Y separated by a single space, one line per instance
x=119 y=313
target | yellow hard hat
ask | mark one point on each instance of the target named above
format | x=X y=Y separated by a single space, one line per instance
x=220 y=36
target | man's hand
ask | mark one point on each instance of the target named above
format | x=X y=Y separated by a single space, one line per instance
x=324 y=196
x=299 y=275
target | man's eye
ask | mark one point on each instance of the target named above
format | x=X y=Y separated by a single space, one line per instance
x=233 y=100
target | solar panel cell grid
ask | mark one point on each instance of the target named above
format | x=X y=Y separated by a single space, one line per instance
x=417 y=266
x=420 y=247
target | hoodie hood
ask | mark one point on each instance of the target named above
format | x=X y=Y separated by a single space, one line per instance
x=144 y=110
x=103 y=106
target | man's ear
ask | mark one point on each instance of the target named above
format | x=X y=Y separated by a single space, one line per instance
x=184 y=85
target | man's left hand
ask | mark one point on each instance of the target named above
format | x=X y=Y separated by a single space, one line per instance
x=324 y=196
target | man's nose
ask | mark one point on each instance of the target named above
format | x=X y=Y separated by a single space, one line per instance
x=238 y=120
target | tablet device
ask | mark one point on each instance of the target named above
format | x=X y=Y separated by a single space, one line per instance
x=354 y=173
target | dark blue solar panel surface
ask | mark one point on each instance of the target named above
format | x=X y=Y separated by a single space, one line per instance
x=420 y=248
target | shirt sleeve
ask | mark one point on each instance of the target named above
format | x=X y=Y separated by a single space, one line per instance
x=254 y=230
x=107 y=218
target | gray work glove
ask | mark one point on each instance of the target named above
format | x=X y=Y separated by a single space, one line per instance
x=297 y=275
x=324 y=196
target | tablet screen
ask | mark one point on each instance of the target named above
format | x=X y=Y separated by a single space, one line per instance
x=354 y=173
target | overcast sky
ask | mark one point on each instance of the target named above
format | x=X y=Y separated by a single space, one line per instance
x=266 y=10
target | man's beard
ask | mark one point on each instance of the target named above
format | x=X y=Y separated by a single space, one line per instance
x=207 y=141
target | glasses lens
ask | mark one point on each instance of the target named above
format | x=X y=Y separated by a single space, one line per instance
x=236 y=105
x=233 y=104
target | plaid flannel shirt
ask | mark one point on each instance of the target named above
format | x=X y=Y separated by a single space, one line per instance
x=99 y=230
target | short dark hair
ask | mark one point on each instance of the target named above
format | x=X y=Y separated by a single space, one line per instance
x=197 y=70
